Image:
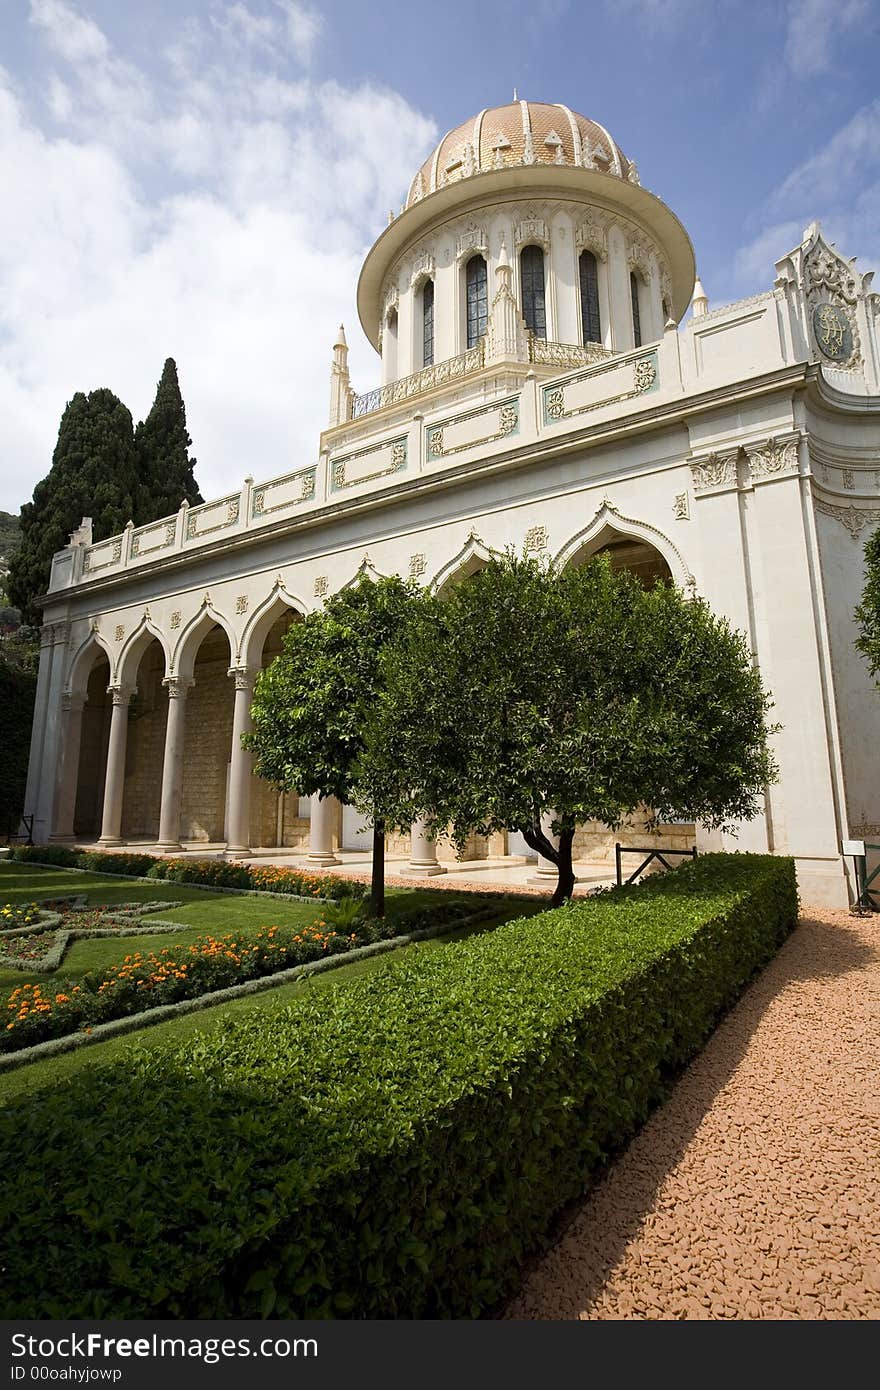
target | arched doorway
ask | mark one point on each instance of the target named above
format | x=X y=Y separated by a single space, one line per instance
x=276 y=818
x=207 y=740
x=145 y=747
x=625 y=552
x=92 y=761
x=593 y=846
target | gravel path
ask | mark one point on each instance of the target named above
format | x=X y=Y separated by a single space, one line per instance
x=753 y=1193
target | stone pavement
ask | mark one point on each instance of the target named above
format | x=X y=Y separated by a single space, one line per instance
x=752 y=1193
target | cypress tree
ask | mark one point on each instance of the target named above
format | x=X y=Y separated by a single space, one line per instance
x=94 y=473
x=162 y=444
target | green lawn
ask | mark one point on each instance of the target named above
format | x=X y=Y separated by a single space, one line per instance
x=206 y=912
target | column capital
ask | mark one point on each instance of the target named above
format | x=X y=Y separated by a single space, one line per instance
x=72 y=701
x=244 y=677
x=54 y=634
x=177 y=686
x=121 y=693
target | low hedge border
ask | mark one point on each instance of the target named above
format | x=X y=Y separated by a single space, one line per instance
x=47 y=963
x=129 y=921
x=202 y=887
x=134 y=1022
x=64 y=938
x=391 y=1150
x=203 y=873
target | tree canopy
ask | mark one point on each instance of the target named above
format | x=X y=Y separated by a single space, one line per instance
x=102 y=468
x=162 y=444
x=312 y=706
x=94 y=473
x=576 y=695
x=868 y=611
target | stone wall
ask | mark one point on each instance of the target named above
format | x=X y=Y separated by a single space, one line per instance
x=594 y=842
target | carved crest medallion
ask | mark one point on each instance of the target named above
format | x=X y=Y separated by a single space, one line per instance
x=833 y=332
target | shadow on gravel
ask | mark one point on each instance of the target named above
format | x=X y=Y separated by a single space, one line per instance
x=815 y=950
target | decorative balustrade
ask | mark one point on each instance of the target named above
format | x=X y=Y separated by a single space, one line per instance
x=440 y=374
x=566 y=356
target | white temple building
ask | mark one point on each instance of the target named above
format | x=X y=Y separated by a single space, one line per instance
x=538 y=392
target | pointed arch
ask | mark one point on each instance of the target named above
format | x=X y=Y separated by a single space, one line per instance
x=84 y=661
x=249 y=654
x=133 y=649
x=473 y=556
x=365 y=570
x=609 y=523
x=188 y=643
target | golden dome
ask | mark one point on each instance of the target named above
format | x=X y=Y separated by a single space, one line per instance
x=521 y=133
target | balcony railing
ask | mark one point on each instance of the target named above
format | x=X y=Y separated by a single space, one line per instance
x=565 y=356
x=453 y=369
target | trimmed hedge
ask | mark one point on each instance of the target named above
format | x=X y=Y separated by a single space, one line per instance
x=205 y=873
x=390 y=1150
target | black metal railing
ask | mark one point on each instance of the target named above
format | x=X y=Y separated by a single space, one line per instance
x=621 y=850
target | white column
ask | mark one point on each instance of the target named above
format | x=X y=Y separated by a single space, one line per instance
x=239 y=832
x=324 y=813
x=114 y=780
x=38 y=728
x=546 y=868
x=422 y=853
x=172 y=766
x=68 y=772
x=44 y=809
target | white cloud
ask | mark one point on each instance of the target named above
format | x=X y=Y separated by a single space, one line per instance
x=303 y=28
x=218 y=215
x=813 y=26
x=70 y=35
x=840 y=184
x=843 y=165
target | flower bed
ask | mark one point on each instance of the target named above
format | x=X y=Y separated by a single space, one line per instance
x=13 y=917
x=35 y=1012
x=27 y=949
x=43 y=947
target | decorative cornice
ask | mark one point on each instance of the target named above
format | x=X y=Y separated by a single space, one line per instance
x=716 y=470
x=723 y=309
x=773 y=458
x=855 y=519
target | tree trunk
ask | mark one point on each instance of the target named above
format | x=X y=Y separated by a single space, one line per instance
x=377 y=882
x=559 y=855
x=565 y=883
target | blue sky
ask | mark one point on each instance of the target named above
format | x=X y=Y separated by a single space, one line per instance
x=201 y=178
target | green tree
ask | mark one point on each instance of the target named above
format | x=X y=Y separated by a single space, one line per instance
x=868 y=611
x=162 y=444
x=312 y=706
x=18 y=684
x=575 y=695
x=94 y=473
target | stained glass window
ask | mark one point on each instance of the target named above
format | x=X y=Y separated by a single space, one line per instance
x=634 y=295
x=589 y=271
x=531 y=270
x=477 y=300
x=428 y=323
